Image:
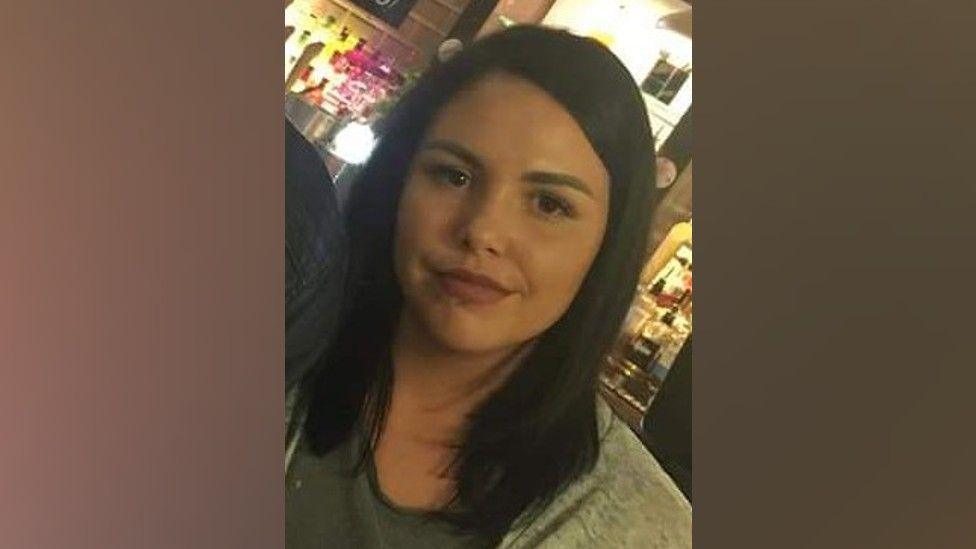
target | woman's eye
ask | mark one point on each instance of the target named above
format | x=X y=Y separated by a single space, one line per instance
x=551 y=206
x=452 y=176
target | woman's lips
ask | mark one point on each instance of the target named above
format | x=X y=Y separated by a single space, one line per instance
x=470 y=288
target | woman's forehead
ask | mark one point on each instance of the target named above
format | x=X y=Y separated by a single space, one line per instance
x=508 y=118
x=501 y=96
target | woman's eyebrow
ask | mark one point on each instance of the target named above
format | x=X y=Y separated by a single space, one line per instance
x=455 y=149
x=560 y=179
x=539 y=177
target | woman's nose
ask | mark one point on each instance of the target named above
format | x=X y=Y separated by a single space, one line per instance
x=485 y=224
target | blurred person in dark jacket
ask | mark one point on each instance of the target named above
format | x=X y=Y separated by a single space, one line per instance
x=315 y=257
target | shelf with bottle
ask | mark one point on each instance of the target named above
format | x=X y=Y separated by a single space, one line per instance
x=351 y=82
x=657 y=326
x=325 y=18
x=310 y=29
x=357 y=68
x=628 y=384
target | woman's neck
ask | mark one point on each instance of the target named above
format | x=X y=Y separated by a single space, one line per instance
x=428 y=376
x=434 y=391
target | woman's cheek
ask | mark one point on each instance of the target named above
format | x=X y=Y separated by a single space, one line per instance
x=561 y=272
x=408 y=239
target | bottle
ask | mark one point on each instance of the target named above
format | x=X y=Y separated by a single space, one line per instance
x=642 y=351
x=657 y=288
x=673 y=265
x=684 y=297
x=668 y=318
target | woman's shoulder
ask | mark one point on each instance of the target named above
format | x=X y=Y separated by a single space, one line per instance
x=627 y=500
x=639 y=499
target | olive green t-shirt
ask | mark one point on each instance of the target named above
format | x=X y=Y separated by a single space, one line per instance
x=627 y=501
x=328 y=504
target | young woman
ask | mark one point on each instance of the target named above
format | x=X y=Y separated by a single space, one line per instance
x=497 y=234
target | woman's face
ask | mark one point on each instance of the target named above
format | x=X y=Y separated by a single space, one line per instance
x=503 y=211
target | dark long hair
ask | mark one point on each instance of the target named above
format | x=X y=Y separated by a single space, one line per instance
x=538 y=431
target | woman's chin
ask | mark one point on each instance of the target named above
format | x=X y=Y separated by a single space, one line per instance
x=465 y=330
x=469 y=336
x=469 y=342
